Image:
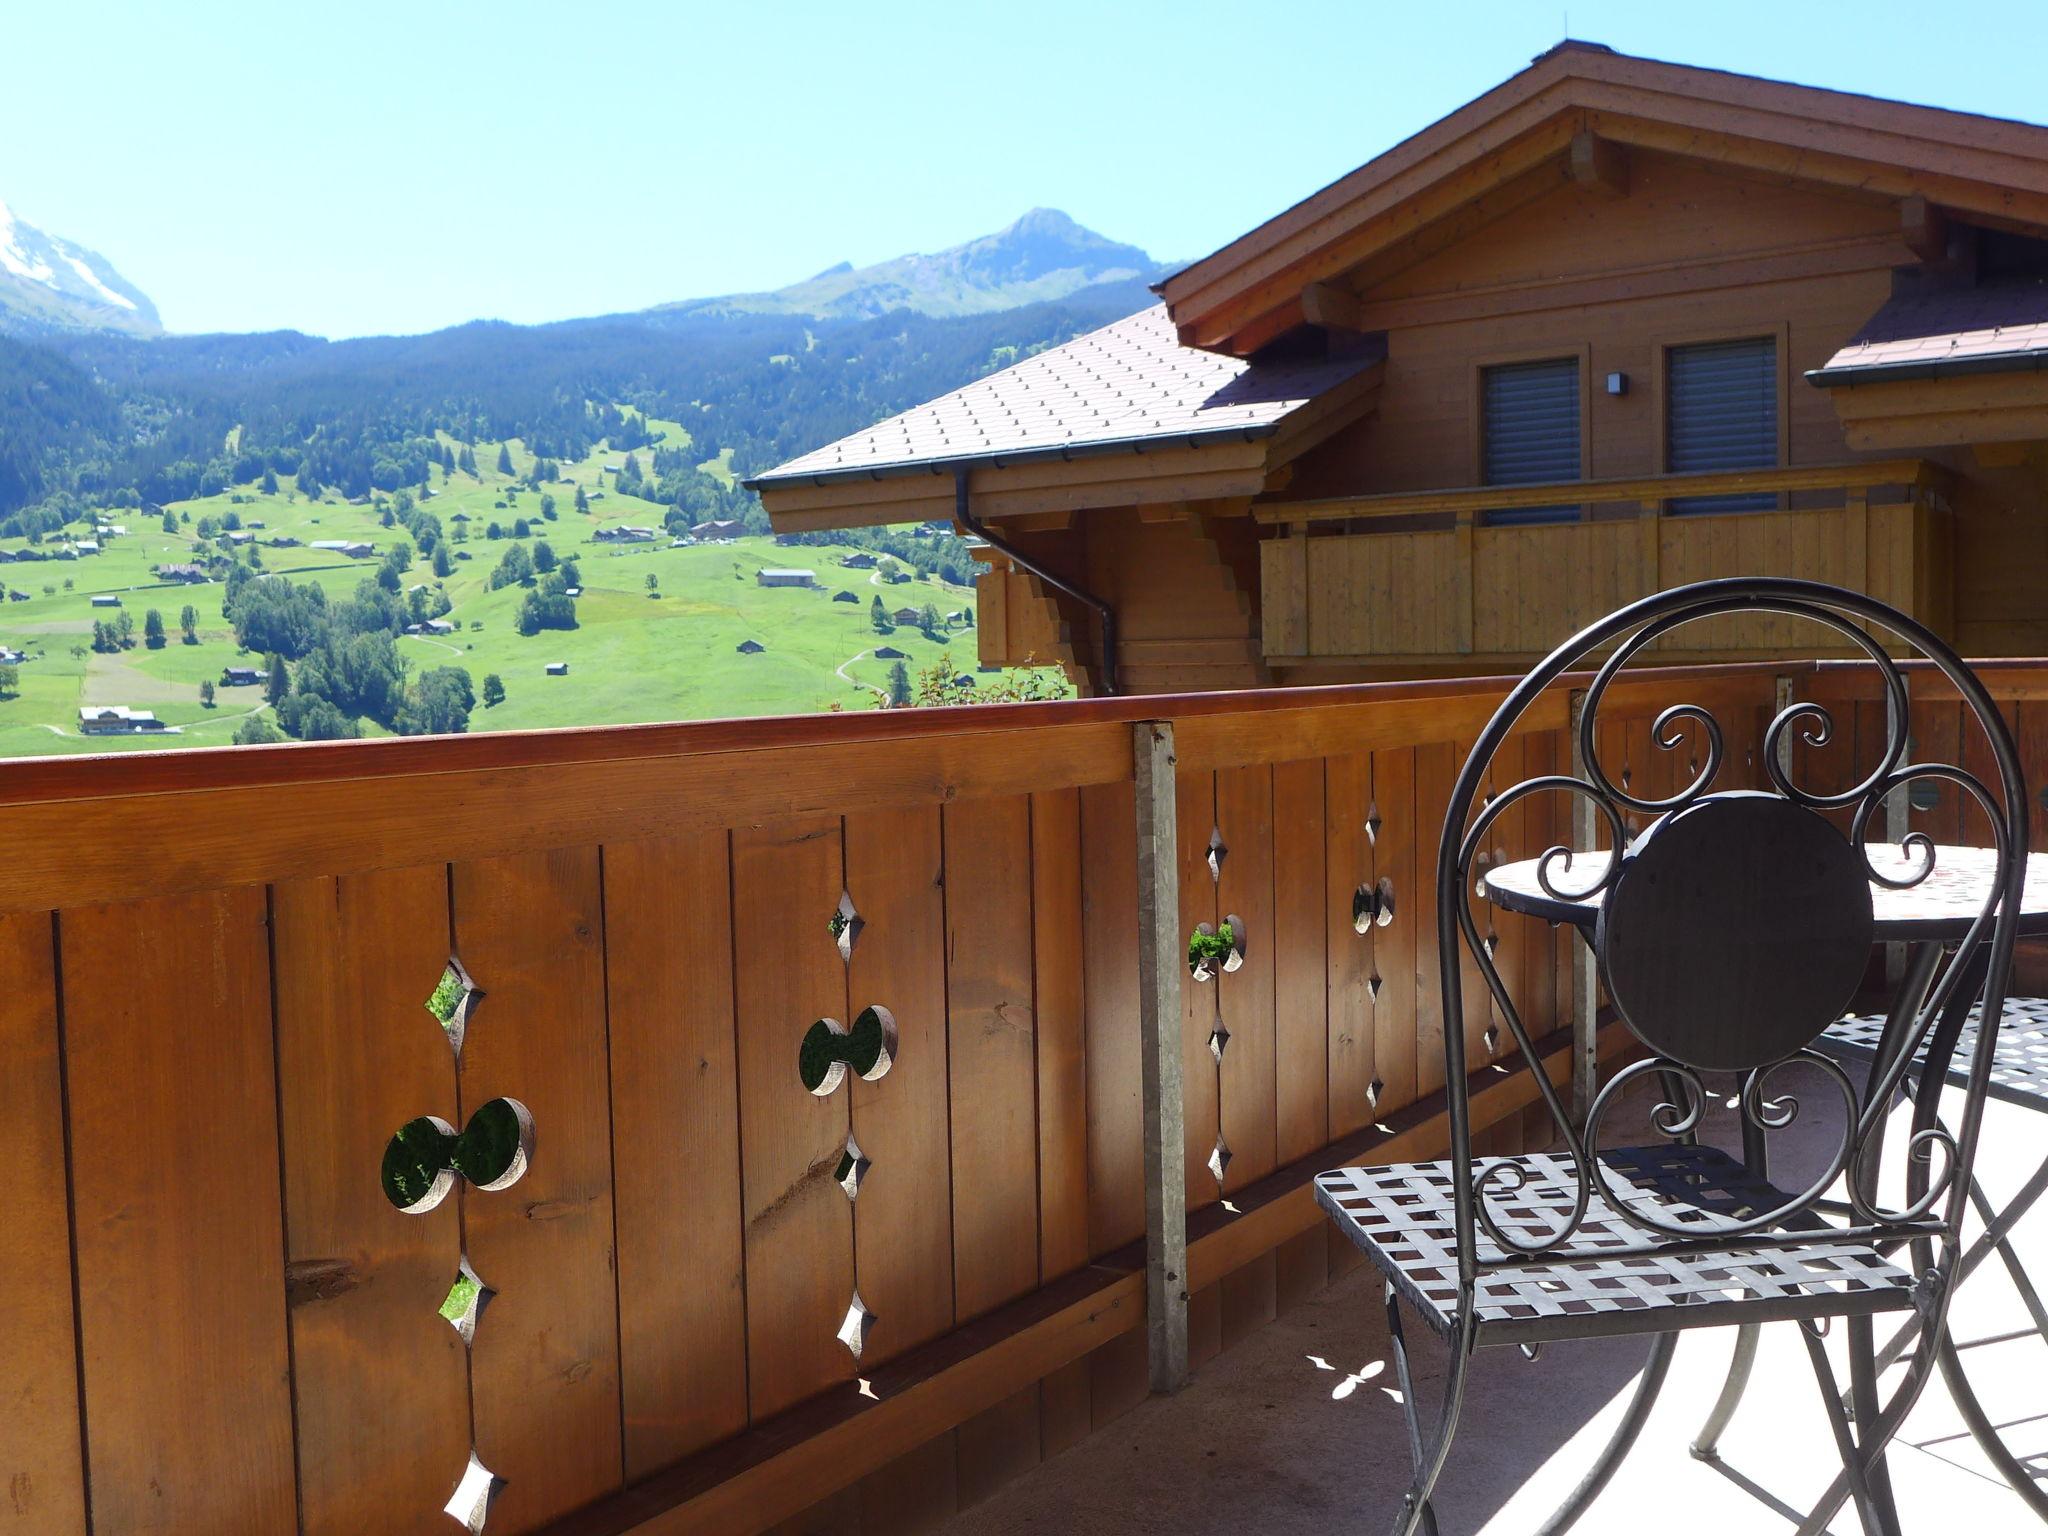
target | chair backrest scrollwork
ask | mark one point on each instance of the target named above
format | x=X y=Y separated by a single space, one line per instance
x=1737 y=925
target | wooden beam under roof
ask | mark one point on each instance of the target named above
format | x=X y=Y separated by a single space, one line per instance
x=1330 y=305
x=1924 y=228
x=1597 y=164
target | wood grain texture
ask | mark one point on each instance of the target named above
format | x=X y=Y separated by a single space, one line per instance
x=1404 y=948
x=1195 y=811
x=1348 y=955
x=1301 y=1041
x=1244 y=997
x=675 y=1127
x=903 y=1225
x=544 y=1368
x=40 y=1464
x=799 y=1249
x=998 y=1445
x=1109 y=906
x=992 y=1034
x=1060 y=1011
x=380 y=1380
x=1436 y=766
x=178 y=1214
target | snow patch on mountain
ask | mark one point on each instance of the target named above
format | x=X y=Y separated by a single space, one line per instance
x=51 y=284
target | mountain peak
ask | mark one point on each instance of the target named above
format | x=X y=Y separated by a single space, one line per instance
x=50 y=284
x=1042 y=255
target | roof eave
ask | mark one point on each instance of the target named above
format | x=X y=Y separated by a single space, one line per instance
x=1850 y=374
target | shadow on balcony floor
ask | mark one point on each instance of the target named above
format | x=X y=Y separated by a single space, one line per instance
x=1295 y=1430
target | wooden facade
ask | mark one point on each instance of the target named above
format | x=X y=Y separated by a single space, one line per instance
x=1595 y=208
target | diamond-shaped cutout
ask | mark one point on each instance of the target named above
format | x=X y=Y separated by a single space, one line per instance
x=453 y=999
x=1372 y=824
x=1218 y=852
x=1491 y=943
x=846 y=925
x=1219 y=1037
x=1373 y=1090
x=470 y=1505
x=1491 y=1039
x=853 y=1167
x=853 y=1332
x=1626 y=775
x=467 y=1298
x=1219 y=1159
x=1373 y=983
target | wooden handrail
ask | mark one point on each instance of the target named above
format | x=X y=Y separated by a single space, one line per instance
x=1916 y=474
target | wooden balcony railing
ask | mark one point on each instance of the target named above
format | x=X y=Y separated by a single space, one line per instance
x=218 y=965
x=1457 y=591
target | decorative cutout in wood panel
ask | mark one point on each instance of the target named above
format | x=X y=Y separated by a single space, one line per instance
x=1373 y=1090
x=470 y=1505
x=1219 y=1037
x=467 y=1297
x=1212 y=951
x=422 y=1160
x=1373 y=824
x=853 y=1167
x=854 y=1330
x=452 y=1001
x=1219 y=1158
x=845 y=924
x=830 y=1050
x=1373 y=983
x=1372 y=906
x=1218 y=852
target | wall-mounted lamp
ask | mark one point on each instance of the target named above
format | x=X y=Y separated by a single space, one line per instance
x=1617 y=383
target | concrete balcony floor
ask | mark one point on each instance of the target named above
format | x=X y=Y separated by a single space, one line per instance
x=1295 y=1429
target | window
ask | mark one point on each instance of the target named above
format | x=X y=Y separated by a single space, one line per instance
x=1721 y=413
x=1529 y=432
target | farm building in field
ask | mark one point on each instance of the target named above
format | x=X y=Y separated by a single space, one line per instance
x=858 y=562
x=772 y=576
x=117 y=720
x=907 y=616
x=718 y=528
x=558 y=669
x=750 y=647
x=355 y=549
x=180 y=573
x=889 y=653
x=281 y=541
x=623 y=533
x=240 y=677
x=87 y=546
x=106 y=600
x=845 y=597
x=572 y=591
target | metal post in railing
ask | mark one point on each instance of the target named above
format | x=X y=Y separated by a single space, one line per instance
x=1585 y=974
x=1161 y=953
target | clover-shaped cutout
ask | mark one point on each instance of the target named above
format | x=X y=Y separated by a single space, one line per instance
x=422 y=1160
x=1212 y=950
x=465 y=1302
x=845 y=925
x=830 y=1050
x=1218 y=852
x=452 y=1001
x=1372 y=906
x=470 y=1505
x=858 y=1323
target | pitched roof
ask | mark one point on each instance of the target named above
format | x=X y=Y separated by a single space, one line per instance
x=2000 y=327
x=1126 y=387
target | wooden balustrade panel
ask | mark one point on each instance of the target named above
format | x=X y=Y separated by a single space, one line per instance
x=1348 y=960
x=1401 y=844
x=1388 y=594
x=544 y=1367
x=1301 y=984
x=1245 y=884
x=787 y=881
x=179 y=1253
x=1109 y=968
x=903 y=1226
x=1505 y=843
x=1060 y=1004
x=993 y=1041
x=1533 y=586
x=1195 y=808
x=40 y=1463
x=1546 y=823
x=380 y=1378
x=675 y=1134
x=1436 y=768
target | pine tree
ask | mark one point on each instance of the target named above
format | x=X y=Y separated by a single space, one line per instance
x=277 y=684
x=879 y=617
x=188 y=621
x=153 y=630
x=504 y=458
x=582 y=501
x=899 y=686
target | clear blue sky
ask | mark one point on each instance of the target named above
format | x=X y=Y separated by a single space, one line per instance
x=348 y=168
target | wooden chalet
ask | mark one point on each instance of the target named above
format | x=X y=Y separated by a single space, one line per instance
x=1614 y=325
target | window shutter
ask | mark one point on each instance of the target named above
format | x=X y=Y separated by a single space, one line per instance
x=1721 y=413
x=1529 y=432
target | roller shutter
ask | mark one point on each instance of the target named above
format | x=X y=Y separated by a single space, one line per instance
x=1721 y=413
x=1529 y=431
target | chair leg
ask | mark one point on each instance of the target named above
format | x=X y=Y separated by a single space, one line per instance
x=1648 y=1385
x=1417 y=1517
x=1706 y=1445
x=1863 y=1397
x=1845 y=1443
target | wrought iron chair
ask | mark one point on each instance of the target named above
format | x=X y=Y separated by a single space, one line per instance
x=1730 y=934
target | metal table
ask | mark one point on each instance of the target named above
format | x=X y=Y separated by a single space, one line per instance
x=1927 y=918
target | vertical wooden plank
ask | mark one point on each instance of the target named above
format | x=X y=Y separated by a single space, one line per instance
x=998 y=1445
x=915 y=1493
x=786 y=882
x=544 y=1368
x=1109 y=969
x=40 y=1463
x=1065 y=1411
x=1195 y=809
x=1303 y=1269
x=1937 y=738
x=993 y=1050
x=1118 y=1378
x=1059 y=1008
x=180 y=1249
x=1407 y=1011
x=1205 y=1324
x=904 y=1229
x=1537 y=997
x=682 y=1269
x=1301 y=1040
x=1347 y=795
x=380 y=1380
x=1504 y=845
x=1244 y=997
x=1250 y=1298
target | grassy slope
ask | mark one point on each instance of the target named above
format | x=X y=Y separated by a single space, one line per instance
x=633 y=658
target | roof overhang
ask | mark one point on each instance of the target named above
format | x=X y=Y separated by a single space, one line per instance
x=1941 y=405
x=1250 y=291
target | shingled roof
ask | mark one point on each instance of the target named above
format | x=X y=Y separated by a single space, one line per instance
x=1128 y=387
x=2000 y=327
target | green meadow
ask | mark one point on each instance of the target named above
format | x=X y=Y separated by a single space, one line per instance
x=638 y=654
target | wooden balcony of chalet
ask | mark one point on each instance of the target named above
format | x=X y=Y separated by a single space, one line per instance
x=721 y=1296
x=1465 y=578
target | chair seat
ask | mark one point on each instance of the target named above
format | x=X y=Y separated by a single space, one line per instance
x=1402 y=1218
x=2019 y=1064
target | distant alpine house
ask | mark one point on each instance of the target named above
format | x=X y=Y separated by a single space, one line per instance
x=1612 y=326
